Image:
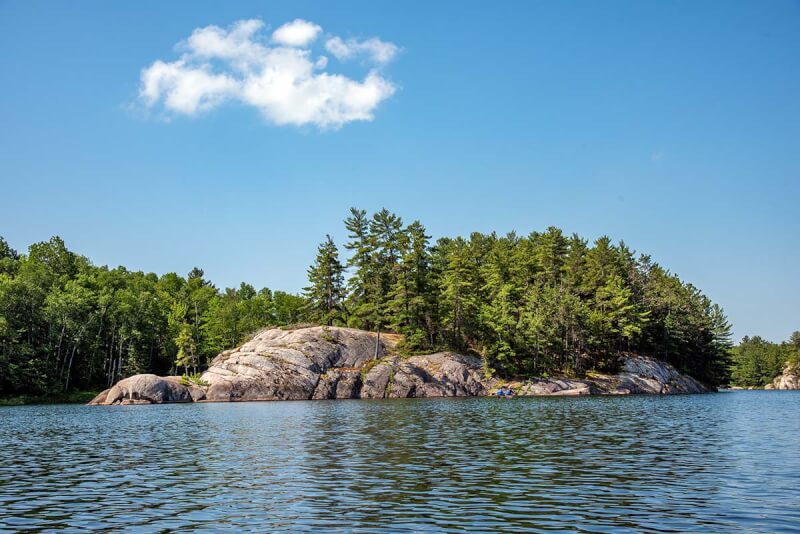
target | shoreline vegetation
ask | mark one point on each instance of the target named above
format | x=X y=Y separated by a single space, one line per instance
x=545 y=304
x=758 y=363
x=70 y=397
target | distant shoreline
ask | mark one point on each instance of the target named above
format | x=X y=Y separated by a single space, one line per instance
x=73 y=397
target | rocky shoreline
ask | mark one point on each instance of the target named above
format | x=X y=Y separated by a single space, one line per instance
x=339 y=363
x=789 y=380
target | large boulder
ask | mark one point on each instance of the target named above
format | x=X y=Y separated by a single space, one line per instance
x=641 y=374
x=790 y=379
x=149 y=389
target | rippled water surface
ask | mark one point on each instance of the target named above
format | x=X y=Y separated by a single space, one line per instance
x=705 y=462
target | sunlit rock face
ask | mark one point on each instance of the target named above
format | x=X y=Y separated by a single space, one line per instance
x=288 y=364
x=340 y=363
x=641 y=374
x=790 y=379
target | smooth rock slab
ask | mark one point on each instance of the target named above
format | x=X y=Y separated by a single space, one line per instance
x=282 y=364
x=641 y=374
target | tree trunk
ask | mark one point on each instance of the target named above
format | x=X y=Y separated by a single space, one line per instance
x=119 y=355
x=378 y=343
x=72 y=357
x=110 y=361
x=60 y=341
x=69 y=367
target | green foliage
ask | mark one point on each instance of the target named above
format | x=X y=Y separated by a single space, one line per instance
x=756 y=362
x=535 y=305
x=327 y=336
x=193 y=379
x=326 y=292
x=410 y=301
x=66 y=324
x=543 y=304
x=70 y=397
x=794 y=353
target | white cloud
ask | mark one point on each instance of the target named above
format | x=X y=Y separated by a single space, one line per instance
x=185 y=89
x=380 y=52
x=284 y=82
x=237 y=44
x=296 y=33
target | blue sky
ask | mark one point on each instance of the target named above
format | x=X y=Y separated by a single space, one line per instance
x=674 y=126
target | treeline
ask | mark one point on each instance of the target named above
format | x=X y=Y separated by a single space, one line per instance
x=540 y=304
x=67 y=324
x=536 y=305
x=756 y=362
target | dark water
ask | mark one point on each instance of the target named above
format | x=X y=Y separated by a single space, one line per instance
x=718 y=462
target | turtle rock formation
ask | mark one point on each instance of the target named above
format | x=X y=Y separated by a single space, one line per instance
x=149 y=389
x=340 y=363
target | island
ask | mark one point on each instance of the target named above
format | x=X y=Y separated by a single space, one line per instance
x=390 y=313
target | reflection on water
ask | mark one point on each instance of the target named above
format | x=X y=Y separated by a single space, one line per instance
x=707 y=462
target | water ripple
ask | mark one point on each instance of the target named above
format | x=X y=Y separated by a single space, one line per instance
x=630 y=464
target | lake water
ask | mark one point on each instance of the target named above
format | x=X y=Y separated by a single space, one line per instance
x=705 y=462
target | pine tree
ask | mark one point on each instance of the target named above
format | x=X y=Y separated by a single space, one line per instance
x=326 y=293
x=616 y=317
x=719 y=361
x=387 y=238
x=551 y=252
x=184 y=339
x=500 y=310
x=412 y=297
x=536 y=305
x=459 y=291
x=358 y=306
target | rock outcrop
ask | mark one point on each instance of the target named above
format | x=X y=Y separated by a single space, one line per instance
x=150 y=389
x=790 y=379
x=648 y=375
x=444 y=374
x=340 y=363
x=289 y=364
x=638 y=375
x=338 y=384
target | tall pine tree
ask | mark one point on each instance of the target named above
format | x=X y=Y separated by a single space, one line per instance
x=325 y=293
